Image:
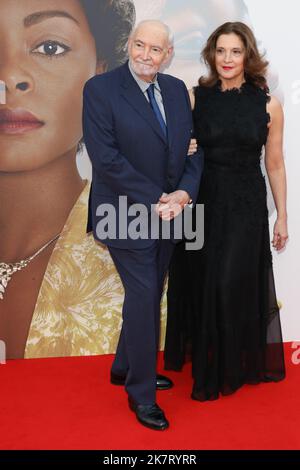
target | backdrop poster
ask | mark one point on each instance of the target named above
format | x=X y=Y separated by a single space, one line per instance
x=67 y=299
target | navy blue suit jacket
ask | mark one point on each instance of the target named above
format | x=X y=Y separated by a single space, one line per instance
x=130 y=155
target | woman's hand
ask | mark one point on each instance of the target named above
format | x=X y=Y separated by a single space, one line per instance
x=280 y=234
x=193 y=147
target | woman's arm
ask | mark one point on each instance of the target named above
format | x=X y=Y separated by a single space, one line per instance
x=276 y=171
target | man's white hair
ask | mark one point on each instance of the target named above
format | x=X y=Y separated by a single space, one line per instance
x=159 y=23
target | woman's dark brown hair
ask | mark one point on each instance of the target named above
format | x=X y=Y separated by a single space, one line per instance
x=255 y=65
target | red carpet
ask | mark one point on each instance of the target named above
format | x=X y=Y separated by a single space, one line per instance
x=68 y=403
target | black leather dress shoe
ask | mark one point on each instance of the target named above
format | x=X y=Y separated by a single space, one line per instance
x=151 y=416
x=162 y=382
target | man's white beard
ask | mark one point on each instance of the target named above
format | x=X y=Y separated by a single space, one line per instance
x=143 y=69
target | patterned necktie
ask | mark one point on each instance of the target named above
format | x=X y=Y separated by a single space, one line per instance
x=155 y=107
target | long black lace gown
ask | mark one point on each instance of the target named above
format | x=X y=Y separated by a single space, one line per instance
x=221 y=299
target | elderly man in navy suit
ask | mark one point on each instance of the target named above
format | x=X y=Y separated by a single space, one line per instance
x=137 y=128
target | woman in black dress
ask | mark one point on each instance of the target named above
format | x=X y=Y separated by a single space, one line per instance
x=221 y=299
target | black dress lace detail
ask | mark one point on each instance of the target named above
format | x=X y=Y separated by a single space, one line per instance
x=222 y=307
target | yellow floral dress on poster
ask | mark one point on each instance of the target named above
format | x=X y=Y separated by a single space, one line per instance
x=79 y=306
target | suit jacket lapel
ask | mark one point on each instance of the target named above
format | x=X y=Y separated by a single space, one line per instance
x=135 y=97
